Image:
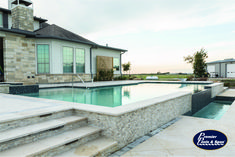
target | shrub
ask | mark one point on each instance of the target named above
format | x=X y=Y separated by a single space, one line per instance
x=121 y=78
x=104 y=75
x=190 y=78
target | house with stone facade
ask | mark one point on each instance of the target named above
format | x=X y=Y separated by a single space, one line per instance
x=33 y=51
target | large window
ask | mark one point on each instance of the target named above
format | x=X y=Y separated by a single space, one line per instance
x=116 y=64
x=80 y=60
x=68 y=60
x=43 y=61
x=1 y=20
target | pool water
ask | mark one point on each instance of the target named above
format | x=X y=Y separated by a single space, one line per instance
x=116 y=95
x=214 y=110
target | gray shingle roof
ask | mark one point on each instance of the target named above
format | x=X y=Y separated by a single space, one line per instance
x=54 y=31
x=222 y=61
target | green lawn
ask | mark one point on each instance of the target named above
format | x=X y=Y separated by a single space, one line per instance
x=169 y=77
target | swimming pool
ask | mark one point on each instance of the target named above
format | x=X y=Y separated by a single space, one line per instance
x=214 y=110
x=116 y=95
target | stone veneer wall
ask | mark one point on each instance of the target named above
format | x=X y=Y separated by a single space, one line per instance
x=61 y=78
x=23 y=89
x=22 y=18
x=4 y=89
x=19 y=59
x=127 y=127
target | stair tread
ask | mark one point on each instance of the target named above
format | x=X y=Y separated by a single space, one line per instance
x=91 y=148
x=35 y=128
x=50 y=142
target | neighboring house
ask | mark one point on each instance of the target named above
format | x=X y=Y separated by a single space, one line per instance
x=35 y=52
x=222 y=68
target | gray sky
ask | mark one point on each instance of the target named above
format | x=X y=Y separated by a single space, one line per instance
x=157 y=33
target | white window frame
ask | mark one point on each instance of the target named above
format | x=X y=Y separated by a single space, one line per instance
x=119 y=63
x=1 y=14
x=76 y=62
x=63 y=60
x=74 y=58
x=37 y=58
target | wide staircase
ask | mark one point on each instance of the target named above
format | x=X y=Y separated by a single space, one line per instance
x=53 y=134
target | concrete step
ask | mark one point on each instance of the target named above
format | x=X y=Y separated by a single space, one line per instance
x=27 y=134
x=24 y=119
x=58 y=144
x=102 y=146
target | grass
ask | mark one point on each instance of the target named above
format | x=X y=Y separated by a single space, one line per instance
x=169 y=77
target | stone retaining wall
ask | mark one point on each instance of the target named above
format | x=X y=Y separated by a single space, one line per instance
x=127 y=127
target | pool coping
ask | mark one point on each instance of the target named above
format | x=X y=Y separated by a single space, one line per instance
x=120 y=110
x=116 y=83
x=63 y=105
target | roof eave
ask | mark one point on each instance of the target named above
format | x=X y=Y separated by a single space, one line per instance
x=5 y=10
x=18 y=31
x=82 y=42
x=41 y=20
x=216 y=62
x=59 y=38
x=113 y=48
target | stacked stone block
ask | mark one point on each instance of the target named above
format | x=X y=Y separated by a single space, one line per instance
x=22 y=18
x=61 y=78
x=19 y=59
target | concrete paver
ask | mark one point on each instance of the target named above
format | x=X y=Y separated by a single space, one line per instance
x=228 y=93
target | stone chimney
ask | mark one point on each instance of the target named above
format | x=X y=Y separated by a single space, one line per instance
x=22 y=14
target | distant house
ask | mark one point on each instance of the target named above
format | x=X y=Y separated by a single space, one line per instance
x=32 y=50
x=222 y=68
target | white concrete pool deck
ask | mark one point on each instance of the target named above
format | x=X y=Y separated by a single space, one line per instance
x=228 y=93
x=177 y=140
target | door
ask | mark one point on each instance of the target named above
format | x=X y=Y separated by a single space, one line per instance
x=211 y=70
x=1 y=61
x=230 y=70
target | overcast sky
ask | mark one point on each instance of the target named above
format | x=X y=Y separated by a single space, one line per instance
x=156 y=33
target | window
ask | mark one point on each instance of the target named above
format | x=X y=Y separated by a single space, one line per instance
x=1 y=20
x=80 y=60
x=43 y=59
x=67 y=60
x=116 y=64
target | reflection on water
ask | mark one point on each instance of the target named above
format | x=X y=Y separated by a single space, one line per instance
x=126 y=91
x=114 y=96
